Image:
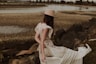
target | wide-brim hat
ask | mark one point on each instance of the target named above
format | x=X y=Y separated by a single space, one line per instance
x=49 y=12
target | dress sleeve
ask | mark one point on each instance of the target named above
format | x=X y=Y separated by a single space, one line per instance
x=37 y=28
x=44 y=26
x=83 y=51
x=41 y=26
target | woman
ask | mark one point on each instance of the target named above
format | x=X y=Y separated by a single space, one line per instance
x=48 y=52
x=51 y=54
x=43 y=33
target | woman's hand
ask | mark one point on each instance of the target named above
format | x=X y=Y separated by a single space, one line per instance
x=43 y=58
x=37 y=38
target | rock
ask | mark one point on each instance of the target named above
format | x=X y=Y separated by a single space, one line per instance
x=67 y=38
x=81 y=32
x=71 y=38
x=27 y=59
x=92 y=29
x=58 y=35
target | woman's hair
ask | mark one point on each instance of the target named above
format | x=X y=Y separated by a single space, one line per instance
x=49 y=20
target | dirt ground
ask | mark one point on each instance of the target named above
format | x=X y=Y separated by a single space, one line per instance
x=63 y=19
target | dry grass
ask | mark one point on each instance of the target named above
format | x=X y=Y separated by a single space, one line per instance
x=23 y=20
x=20 y=19
x=62 y=20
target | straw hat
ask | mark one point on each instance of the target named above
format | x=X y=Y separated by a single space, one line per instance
x=49 y=12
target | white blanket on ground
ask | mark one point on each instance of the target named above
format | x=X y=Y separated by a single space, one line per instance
x=58 y=54
x=62 y=55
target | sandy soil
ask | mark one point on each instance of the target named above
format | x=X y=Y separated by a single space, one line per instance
x=63 y=19
x=31 y=19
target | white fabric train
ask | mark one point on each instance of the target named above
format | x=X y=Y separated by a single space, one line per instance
x=59 y=54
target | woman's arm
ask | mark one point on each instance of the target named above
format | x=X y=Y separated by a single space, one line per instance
x=44 y=34
x=41 y=41
x=37 y=38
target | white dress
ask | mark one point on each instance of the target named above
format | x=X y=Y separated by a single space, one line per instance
x=59 y=54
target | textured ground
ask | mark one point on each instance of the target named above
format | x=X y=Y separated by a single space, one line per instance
x=63 y=19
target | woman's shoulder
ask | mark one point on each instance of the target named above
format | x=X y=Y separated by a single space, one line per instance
x=44 y=26
x=38 y=24
x=37 y=28
x=41 y=26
